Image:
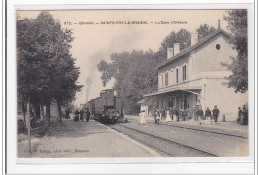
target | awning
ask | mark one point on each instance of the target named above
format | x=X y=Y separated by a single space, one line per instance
x=186 y=89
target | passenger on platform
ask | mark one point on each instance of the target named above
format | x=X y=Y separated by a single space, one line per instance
x=142 y=119
x=215 y=113
x=239 y=115
x=88 y=115
x=81 y=115
x=207 y=115
x=84 y=114
x=176 y=114
x=76 y=118
x=200 y=114
x=171 y=113
x=155 y=116
x=196 y=113
x=193 y=111
x=163 y=112
x=168 y=117
x=245 y=115
x=160 y=114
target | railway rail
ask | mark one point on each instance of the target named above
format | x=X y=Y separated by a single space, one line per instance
x=201 y=130
x=163 y=145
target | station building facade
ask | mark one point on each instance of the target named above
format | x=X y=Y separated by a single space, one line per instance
x=195 y=76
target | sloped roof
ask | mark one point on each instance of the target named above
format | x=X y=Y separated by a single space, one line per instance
x=191 y=48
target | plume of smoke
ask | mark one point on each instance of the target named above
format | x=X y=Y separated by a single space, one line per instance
x=88 y=85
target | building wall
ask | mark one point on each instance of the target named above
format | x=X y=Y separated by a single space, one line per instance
x=208 y=58
x=217 y=93
x=171 y=69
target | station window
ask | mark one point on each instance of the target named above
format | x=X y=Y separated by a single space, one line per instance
x=166 y=79
x=177 y=75
x=184 y=73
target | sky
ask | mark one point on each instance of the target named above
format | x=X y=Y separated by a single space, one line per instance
x=95 y=41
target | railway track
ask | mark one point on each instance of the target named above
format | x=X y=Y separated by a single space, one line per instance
x=163 y=145
x=207 y=131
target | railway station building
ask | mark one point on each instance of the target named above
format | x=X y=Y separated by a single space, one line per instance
x=195 y=76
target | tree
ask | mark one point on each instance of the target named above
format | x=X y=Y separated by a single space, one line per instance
x=133 y=73
x=45 y=68
x=182 y=37
x=205 y=30
x=237 y=25
x=65 y=87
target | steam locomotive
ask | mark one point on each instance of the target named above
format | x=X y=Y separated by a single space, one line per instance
x=107 y=108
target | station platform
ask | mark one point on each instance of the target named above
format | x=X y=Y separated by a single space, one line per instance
x=83 y=140
x=229 y=128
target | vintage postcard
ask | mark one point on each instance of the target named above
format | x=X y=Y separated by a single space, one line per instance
x=132 y=83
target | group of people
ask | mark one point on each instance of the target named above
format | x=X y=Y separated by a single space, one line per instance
x=198 y=114
x=165 y=114
x=82 y=114
x=242 y=117
x=172 y=114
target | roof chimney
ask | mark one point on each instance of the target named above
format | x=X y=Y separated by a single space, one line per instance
x=219 y=24
x=194 y=38
x=176 y=47
x=169 y=53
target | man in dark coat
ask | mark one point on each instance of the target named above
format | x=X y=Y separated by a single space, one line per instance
x=76 y=118
x=171 y=112
x=239 y=116
x=155 y=115
x=207 y=115
x=215 y=113
x=88 y=115
x=81 y=115
x=245 y=115
x=200 y=114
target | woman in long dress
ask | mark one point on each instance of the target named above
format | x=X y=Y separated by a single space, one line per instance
x=142 y=118
x=168 y=116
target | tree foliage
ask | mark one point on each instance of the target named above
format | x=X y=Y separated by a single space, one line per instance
x=45 y=68
x=204 y=30
x=237 y=25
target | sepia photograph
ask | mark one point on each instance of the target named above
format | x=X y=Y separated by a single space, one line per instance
x=132 y=83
